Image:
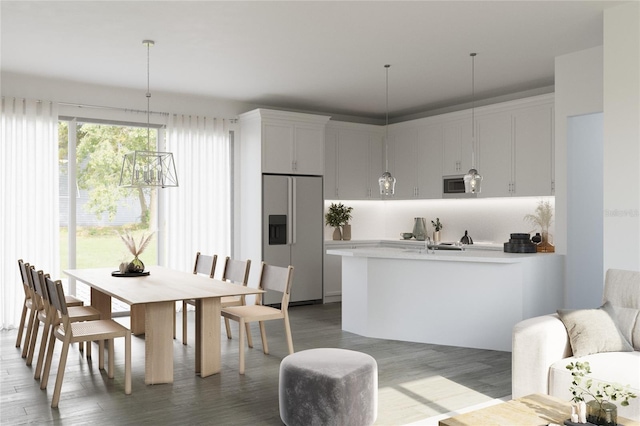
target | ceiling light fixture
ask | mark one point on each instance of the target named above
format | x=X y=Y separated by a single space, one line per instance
x=141 y=169
x=386 y=181
x=473 y=180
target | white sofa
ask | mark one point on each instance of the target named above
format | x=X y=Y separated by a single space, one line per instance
x=542 y=348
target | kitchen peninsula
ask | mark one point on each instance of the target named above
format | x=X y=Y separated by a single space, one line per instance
x=469 y=298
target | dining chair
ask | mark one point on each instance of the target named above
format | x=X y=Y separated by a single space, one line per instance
x=275 y=278
x=205 y=265
x=48 y=317
x=27 y=308
x=87 y=331
x=235 y=271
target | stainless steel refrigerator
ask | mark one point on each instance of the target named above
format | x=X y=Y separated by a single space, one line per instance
x=292 y=233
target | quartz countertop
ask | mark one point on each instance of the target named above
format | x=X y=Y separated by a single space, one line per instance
x=418 y=253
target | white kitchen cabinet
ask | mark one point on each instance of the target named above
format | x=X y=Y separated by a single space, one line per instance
x=416 y=160
x=515 y=143
x=457 y=145
x=358 y=160
x=534 y=148
x=495 y=140
x=292 y=143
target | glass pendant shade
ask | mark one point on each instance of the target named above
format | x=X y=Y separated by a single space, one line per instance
x=472 y=182
x=387 y=184
x=148 y=168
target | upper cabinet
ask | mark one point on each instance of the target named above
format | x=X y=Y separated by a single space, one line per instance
x=289 y=142
x=516 y=145
x=416 y=159
x=457 y=145
x=354 y=161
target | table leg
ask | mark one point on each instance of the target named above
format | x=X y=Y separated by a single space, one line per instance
x=208 y=336
x=102 y=302
x=158 y=342
x=138 y=316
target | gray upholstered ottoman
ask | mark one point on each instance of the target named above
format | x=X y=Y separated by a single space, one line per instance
x=328 y=386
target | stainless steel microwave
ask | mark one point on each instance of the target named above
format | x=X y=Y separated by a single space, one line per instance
x=453 y=187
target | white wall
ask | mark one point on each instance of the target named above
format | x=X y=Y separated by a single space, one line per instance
x=487 y=220
x=622 y=137
x=583 y=263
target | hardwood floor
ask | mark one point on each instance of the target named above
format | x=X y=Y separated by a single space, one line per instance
x=416 y=381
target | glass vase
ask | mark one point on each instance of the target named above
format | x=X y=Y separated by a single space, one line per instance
x=604 y=414
x=136 y=265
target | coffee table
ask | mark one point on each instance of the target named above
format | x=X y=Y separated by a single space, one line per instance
x=533 y=410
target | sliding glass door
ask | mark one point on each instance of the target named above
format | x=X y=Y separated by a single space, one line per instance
x=94 y=210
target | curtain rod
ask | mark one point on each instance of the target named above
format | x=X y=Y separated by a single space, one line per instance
x=112 y=108
x=231 y=120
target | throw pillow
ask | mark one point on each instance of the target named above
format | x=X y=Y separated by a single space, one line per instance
x=628 y=322
x=592 y=331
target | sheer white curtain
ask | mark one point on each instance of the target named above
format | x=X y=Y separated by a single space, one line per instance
x=29 y=216
x=196 y=215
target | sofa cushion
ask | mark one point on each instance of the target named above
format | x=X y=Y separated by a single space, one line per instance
x=621 y=368
x=593 y=331
x=628 y=322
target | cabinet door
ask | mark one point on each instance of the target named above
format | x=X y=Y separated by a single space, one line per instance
x=495 y=154
x=429 y=162
x=277 y=152
x=353 y=165
x=376 y=164
x=402 y=162
x=330 y=165
x=308 y=150
x=457 y=147
x=533 y=134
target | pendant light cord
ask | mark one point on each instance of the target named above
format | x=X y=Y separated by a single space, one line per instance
x=473 y=109
x=149 y=43
x=386 y=136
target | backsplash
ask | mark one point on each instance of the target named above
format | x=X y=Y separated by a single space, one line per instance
x=487 y=220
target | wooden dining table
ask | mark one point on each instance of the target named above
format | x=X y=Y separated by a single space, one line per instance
x=152 y=299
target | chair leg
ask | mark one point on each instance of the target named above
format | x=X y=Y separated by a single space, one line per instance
x=184 y=322
x=32 y=343
x=101 y=353
x=228 y=327
x=127 y=363
x=263 y=336
x=47 y=365
x=43 y=347
x=247 y=326
x=60 y=376
x=287 y=332
x=27 y=337
x=88 y=348
x=111 y=358
x=241 y=331
x=23 y=318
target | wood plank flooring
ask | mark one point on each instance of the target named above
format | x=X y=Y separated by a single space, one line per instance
x=416 y=381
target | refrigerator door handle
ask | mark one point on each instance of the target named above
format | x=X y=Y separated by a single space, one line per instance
x=294 y=210
x=290 y=211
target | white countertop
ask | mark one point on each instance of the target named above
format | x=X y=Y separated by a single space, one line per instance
x=417 y=253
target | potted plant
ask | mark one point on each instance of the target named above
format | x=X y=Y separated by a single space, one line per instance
x=600 y=410
x=542 y=218
x=338 y=216
x=437 y=225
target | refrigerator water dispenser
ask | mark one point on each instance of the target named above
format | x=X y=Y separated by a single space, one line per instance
x=277 y=229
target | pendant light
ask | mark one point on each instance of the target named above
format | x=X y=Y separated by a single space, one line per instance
x=387 y=182
x=472 y=179
x=142 y=169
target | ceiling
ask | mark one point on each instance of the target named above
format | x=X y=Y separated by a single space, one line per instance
x=324 y=56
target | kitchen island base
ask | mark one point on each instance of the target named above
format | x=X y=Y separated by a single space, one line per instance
x=467 y=302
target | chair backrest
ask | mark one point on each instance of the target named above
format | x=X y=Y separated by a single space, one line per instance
x=205 y=264
x=276 y=278
x=23 y=267
x=56 y=296
x=236 y=271
x=37 y=280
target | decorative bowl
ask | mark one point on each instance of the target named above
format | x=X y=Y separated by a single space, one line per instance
x=406 y=235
